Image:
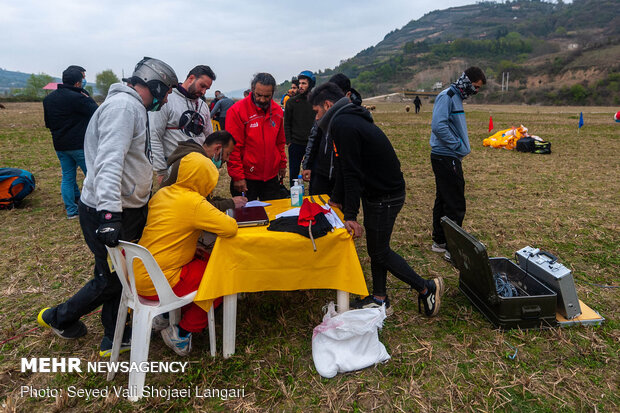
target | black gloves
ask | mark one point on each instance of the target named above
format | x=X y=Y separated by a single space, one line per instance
x=110 y=226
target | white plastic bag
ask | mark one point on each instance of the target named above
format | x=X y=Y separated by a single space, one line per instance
x=348 y=341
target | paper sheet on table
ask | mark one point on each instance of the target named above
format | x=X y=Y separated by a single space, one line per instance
x=257 y=203
x=293 y=212
x=332 y=217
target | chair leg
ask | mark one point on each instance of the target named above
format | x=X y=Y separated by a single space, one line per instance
x=140 y=341
x=342 y=298
x=230 y=325
x=211 y=318
x=174 y=317
x=121 y=318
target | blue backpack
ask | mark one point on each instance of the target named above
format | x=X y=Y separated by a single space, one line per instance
x=15 y=184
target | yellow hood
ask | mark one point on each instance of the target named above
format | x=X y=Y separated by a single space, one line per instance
x=197 y=173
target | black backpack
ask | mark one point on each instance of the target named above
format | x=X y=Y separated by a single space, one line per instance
x=529 y=144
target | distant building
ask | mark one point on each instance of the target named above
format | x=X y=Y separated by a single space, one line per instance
x=437 y=85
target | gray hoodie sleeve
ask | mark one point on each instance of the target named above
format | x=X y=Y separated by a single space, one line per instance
x=158 y=122
x=116 y=131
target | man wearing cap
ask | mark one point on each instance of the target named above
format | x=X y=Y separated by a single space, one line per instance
x=220 y=109
x=298 y=120
x=67 y=111
x=185 y=116
x=117 y=188
x=258 y=162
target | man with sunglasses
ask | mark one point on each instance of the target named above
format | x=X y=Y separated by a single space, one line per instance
x=186 y=116
x=258 y=162
x=449 y=145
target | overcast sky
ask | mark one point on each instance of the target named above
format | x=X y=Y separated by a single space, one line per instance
x=237 y=38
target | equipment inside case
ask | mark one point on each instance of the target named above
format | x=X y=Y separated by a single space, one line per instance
x=533 y=307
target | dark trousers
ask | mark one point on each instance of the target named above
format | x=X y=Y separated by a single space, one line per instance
x=417 y=108
x=450 y=193
x=320 y=184
x=296 y=153
x=262 y=190
x=379 y=218
x=105 y=288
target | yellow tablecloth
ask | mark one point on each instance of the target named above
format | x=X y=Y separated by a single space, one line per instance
x=260 y=260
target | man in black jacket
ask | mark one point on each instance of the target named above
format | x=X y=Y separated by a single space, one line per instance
x=318 y=163
x=367 y=167
x=298 y=120
x=67 y=111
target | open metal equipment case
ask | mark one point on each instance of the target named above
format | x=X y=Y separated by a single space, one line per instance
x=533 y=307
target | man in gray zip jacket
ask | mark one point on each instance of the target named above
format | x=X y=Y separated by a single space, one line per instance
x=449 y=145
x=185 y=116
x=117 y=188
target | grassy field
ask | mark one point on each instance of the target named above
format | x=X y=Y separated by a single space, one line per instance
x=567 y=203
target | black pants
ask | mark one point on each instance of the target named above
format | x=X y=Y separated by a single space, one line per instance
x=450 y=193
x=320 y=184
x=263 y=190
x=296 y=153
x=379 y=218
x=417 y=108
x=105 y=288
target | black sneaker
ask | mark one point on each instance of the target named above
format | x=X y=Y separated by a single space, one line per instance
x=105 y=349
x=371 y=302
x=432 y=299
x=75 y=330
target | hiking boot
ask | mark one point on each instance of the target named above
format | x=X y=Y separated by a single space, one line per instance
x=181 y=345
x=160 y=322
x=438 y=247
x=105 y=349
x=432 y=299
x=371 y=301
x=75 y=330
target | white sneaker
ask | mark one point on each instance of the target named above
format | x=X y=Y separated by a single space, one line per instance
x=438 y=247
x=159 y=323
x=181 y=345
x=447 y=256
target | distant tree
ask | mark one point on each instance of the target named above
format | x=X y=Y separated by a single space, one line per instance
x=35 y=83
x=104 y=80
x=90 y=90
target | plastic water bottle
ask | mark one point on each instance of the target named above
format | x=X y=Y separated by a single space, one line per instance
x=296 y=194
x=300 y=181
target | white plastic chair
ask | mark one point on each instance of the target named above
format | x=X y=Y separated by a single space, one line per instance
x=144 y=310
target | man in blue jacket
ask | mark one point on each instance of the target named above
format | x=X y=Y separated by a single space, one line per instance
x=67 y=111
x=449 y=145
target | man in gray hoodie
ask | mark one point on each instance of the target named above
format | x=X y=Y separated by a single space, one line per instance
x=117 y=188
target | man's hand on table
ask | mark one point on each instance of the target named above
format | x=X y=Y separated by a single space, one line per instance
x=240 y=186
x=239 y=201
x=354 y=228
x=334 y=205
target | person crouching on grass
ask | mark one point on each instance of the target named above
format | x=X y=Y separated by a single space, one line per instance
x=178 y=214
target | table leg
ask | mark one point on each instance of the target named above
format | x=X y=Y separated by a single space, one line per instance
x=230 y=325
x=342 y=299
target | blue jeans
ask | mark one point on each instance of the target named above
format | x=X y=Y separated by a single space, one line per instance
x=296 y=153
x=69 y=161
x=379 y=218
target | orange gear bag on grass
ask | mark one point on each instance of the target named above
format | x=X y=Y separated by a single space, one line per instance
x=506 y=138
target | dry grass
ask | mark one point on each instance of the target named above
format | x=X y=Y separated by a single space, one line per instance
x=566 y=203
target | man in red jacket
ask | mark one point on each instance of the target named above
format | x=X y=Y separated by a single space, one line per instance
x=258 y=163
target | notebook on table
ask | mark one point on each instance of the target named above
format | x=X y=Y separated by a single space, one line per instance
x=249 y=216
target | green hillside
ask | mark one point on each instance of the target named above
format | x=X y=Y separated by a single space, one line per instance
x=555 y=53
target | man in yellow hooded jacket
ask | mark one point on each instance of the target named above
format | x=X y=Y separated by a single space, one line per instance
x=177 y=216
